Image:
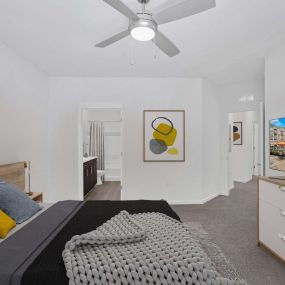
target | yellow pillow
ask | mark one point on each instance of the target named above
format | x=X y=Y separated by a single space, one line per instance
x=6 y=224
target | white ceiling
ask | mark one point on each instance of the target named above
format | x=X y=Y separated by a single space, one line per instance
x=225 y=44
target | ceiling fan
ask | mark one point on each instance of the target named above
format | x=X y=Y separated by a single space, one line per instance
x=143 y=26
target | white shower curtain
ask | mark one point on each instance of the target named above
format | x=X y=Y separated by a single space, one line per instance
x=96 y=144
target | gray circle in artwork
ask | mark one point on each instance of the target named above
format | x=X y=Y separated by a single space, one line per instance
x=157 y=146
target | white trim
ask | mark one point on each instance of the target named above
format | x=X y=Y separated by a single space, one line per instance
x=185 y=202
x=92 y=106
x=79 y=153
x=106 y=106
x=112 y=178
x=194 y=202
x=209 y=198
x=262 y=139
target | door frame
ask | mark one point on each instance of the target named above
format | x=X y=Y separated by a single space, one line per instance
x=226 y=183
x=97 y=106
x=262 y=138
x=256 y=153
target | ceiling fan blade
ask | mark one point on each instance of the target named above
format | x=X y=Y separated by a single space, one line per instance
x=113 y=39
x=165 y=44
x=122 y=8
x=175 y=10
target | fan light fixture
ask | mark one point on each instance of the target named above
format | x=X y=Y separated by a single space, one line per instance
x=142 y=34
x=144 y=28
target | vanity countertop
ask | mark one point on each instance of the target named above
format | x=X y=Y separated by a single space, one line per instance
x=86 y=159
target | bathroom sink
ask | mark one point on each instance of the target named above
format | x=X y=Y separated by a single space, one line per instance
x=85 y=159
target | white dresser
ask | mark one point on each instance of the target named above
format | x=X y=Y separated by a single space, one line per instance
x=271 y=216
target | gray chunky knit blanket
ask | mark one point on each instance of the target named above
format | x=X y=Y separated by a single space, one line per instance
x=147 y=248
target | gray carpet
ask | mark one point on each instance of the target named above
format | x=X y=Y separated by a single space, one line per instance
x=231 y=224
x=216 y=258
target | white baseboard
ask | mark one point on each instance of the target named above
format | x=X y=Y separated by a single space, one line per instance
x=185 y=202
x=209 y=198
x=112 y=178
x=193 y=202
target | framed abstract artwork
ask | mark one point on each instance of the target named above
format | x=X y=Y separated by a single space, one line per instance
x=164 y=136
x=237 y=133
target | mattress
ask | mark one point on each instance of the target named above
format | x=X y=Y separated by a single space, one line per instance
x=33 y=255
x=19 y=226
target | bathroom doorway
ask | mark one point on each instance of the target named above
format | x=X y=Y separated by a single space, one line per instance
x=100 y=152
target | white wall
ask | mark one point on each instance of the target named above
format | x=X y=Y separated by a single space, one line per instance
x=23 y=116
x=241 y=156
x=104 y=115
x=211 y=140
x=176 y=182
x=230 y=96
x=39 y=122
x=274 y=96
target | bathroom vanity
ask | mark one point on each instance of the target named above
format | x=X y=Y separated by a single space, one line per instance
x=89 y=173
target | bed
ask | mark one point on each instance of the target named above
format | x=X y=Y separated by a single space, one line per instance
x=36 y=253
x=32 y=255
x=15 y=173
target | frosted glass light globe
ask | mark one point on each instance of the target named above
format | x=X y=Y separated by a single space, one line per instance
x=142 y=34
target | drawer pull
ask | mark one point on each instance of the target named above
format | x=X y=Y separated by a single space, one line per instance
x=282 y=188
x=282 y=213
x=282 y=237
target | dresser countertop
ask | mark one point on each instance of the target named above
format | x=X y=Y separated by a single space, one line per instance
x=272 y=180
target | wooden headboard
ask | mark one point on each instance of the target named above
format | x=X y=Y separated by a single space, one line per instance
x=14 y=173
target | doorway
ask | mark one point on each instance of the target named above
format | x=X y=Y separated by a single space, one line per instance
x=100 y=154
x=243 y=157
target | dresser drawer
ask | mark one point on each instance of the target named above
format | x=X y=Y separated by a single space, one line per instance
x=272 y=194
x=272 y=228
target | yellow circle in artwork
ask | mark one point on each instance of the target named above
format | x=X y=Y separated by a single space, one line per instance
x=165 y=133
x=173 y=151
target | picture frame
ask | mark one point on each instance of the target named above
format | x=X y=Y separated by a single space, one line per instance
x=237 y=133
x=164 y=135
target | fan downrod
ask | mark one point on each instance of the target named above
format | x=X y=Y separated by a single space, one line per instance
x=143 y=1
